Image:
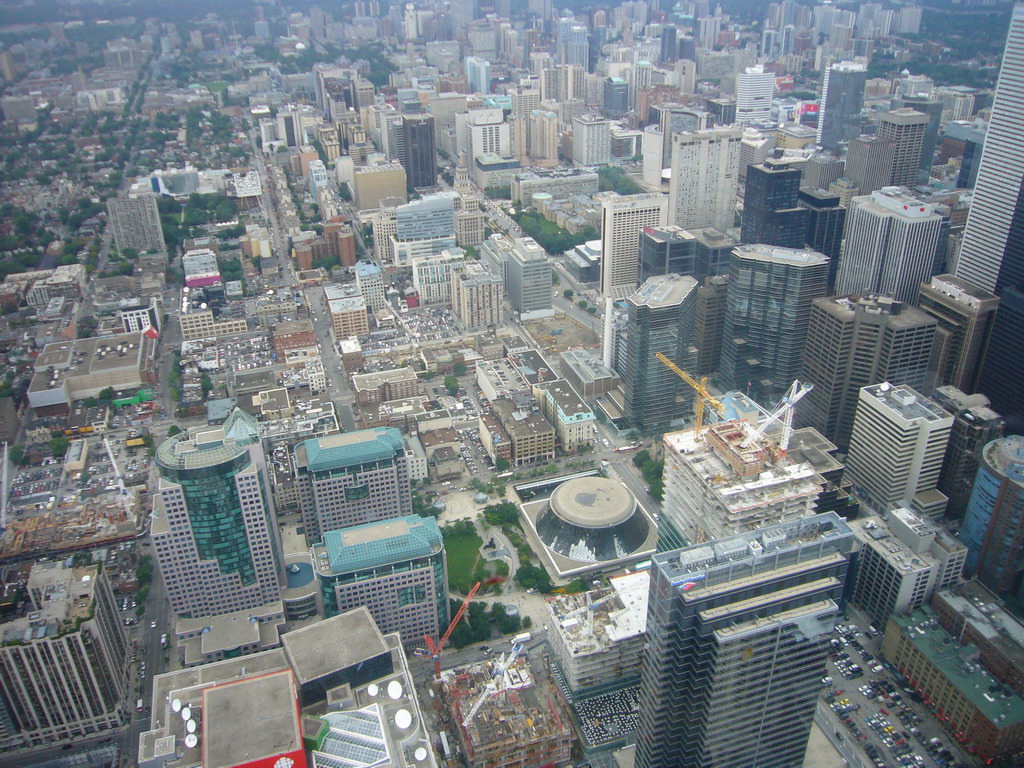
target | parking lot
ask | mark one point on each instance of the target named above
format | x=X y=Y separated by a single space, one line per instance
x=880 y=717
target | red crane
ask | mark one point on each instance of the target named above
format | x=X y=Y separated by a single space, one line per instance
x=435 y=648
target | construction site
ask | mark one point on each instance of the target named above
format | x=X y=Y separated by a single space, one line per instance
x=505 y=717
x=561 y=332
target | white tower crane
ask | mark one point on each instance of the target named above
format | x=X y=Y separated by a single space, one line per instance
x=122 y=492
x=3 y=489
x=784 y=411
x=496 y=683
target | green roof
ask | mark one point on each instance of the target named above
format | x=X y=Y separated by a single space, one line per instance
x=992 y=698
x=361 y=447
x=381 y=543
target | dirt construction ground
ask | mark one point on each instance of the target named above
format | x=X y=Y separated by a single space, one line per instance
x=571 y=334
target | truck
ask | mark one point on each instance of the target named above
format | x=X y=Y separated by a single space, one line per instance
x=522 y=638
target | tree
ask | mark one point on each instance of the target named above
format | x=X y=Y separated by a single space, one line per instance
x=106 y=395
x=532 y=577
x=173 y=430
x=504 y=513
x=17 y=455
x=501 y=465
x=567 y=293
x=206 y=383
x=459 y=369
x=581 y=304
x=59 y=445
x=452 y=385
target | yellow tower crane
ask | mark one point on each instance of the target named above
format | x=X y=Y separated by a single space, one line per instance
x=700 y=387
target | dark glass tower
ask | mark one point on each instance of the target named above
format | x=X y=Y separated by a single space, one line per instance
x=660 y=319
x=771 y=215
x=738 y=632
x=673 y=250
x=420 y=152
x=842 y=99
x=826 y=220
x=768 y=309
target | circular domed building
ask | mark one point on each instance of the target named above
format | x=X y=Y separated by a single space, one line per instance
x=590 y=522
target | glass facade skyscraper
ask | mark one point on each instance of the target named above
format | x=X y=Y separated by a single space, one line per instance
x=738 y=632
x=214 y=526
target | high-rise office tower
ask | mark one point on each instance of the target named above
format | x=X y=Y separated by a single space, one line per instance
x=396 y=568
x=768 y=310
x=738 y=633
x=623 y=218
x=353 y=478
x=896 y=449
x=420 y=160
x=591 y=141
x=135 y=221
x=528 y=276
x=869 y=162
x=992 y=528
x=906 y=128
x=826 y=223
x=853 y=342
x=709 y=323
x=63 y=663
x=705 y=169
x=672 y=250
x=660 y=318
x=669 y=44
x=933 y=109
x=973 y=139
x=891 y=244
x=842 y=99
x=214 y=524
x=771 y=215
x=573 y=47
x=478 y=75
x=975 y=425
x=821 y=170
x=966 y=315
x=992 y=252
x=754 y=91
x=616 y=97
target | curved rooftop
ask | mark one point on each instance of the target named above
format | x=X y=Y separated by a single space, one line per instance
x=198 y=448
x=592 y=502
x=1006 y=457
x=592 y=520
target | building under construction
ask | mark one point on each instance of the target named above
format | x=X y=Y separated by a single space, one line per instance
x=730 y=478
x=506 y=720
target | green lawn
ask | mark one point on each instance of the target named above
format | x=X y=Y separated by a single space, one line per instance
x=465 y=565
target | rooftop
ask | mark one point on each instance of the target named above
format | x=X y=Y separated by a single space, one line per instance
x=985 y=613
x=1002 y=707
x=569 y=403
x=794 y=256
x=332 y=644
x=61 y=596
x=907 y=402
x=364 y=446
x=586 y=366
x=206 y=447
x=376 y=544
x=1006 y=455
x=663 y=291
x=247 y=720
x=615 y=614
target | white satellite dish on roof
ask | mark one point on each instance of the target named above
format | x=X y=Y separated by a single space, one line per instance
x=191 y=740
x=373 y=689
x=394 y=689
x=176 y=705
x=403 y=718
x=420 y=754
x=191 y=726
x=186 y=713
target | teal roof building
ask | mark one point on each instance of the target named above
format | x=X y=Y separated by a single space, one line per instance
x=396 y=568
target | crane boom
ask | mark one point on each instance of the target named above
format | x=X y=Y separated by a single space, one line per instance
x=700 y=387
x=783 y=411
x=436 y=647
x=494 y=684
x=121 y=490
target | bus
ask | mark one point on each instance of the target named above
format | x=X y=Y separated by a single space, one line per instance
x=135 y=442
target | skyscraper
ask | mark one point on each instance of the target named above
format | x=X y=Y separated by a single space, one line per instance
x=869 y=163
x=214 y=524
x=660 y=318
x=705 y=169
x=771 y=215
x=975 y=425
x=591 y=141
x=738 y=632
x=623 y=218
x=826 y=223
x=135 y=221
x=907 y=129
x=478 y=75
x=853 y=342
x=673 y=250
x=891 y=244
x=616 y=97
x=966 y=315
x=842 y=99
x=528 y=276
x=992 y=528
x=420 y=156
x=754 y=91
x=896 y=449
x=933 y=109
x=992 y=253
x=768 y=310
x=353 y=478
